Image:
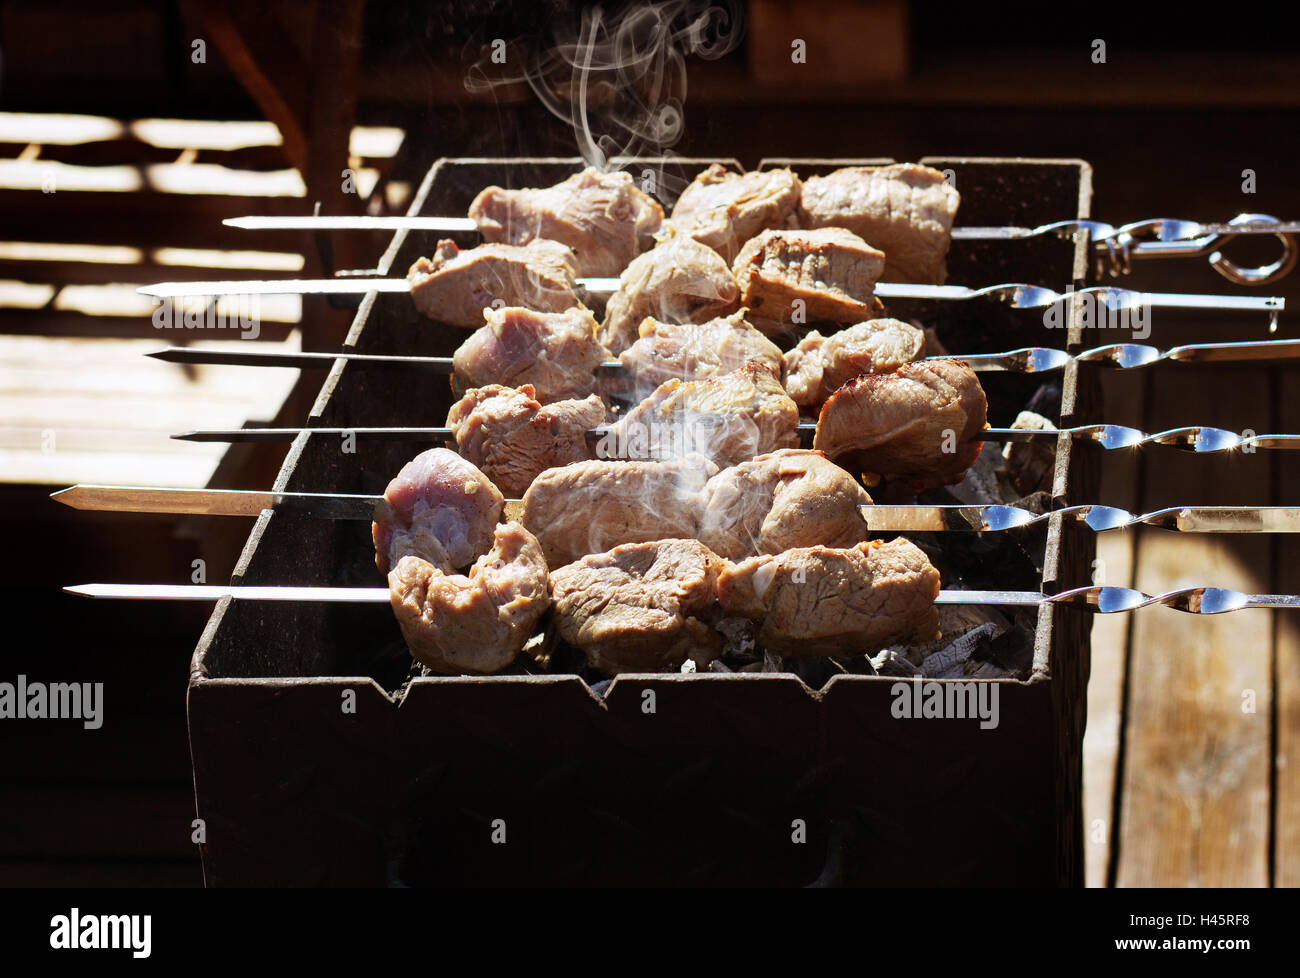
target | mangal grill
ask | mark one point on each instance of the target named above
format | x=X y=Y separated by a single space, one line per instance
x=319 y=758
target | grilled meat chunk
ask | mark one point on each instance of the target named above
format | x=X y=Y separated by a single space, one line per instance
x=820 y=365
x=603 y=217
x=694 y=351
x=826 y=275
x=511 y=437
x=641 y=607
x=554 y=352
x=723 y=209
x=588 y=507
x=904 y=209
x=919 y=424
x=476 y=624
x=727 y=418
x=677 y=281
x=823 y=601
x=455 y=286
x=788 y=499
x=444 y=511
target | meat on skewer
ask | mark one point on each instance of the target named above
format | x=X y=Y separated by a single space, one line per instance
x=775 y=502
x=787 y=278
x=727 y=418
x=824 y=601
x=677 y=281
x=723 y=209
x=557 y=353
x=604 y=217
x=904 y=209
x=455 y=287
x=920 y=423
x=820 y=365
x=641 y=607
x=512 y=437
x=789 y=498
x=478 y=623
x=589 y=507
x=693 y=351
x=444 y=511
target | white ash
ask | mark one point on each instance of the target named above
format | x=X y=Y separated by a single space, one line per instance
x=1030 y=464
x=988 y=481
x=688 y=666
x=949 y=663
x=891 y=662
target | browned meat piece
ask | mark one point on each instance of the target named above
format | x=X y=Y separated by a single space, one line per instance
x=792 y=277
x=642 y=607
x=603 y=217
x=475 y=624
x=588 y=507
x=694 y=351
x=728 y=418
x=919 y=423
x=822 y=601
x=723 y=209
x=512 y=438
x=792 y=498
x=554 y=352
x=455 y=286
x=443 y=511
x=677 y=281
x=821 y=365
x=903 y=209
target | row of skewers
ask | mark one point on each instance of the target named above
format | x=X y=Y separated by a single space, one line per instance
x=708 y=507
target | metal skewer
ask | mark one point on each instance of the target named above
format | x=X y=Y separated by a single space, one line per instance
x=1018 y=295
x=1117 y=247
x=1101 y=600
x=972 y=519
x=1028 y=360
x=1197 y=439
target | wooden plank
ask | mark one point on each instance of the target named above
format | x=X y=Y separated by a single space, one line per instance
x=1195 y=785
x=1286 y=770
x=1123 y=397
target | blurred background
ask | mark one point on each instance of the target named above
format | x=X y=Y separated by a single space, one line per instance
x=129 y=130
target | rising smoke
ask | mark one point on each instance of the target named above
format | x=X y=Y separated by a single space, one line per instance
x=620 y=81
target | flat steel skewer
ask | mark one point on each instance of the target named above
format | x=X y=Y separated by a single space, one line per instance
x=1101 y=600
x=1029 y=359
x=961 y=518
x=1198 y=439
x=1018 y=295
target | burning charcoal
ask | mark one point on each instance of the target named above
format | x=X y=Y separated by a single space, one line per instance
x=949 y=662
x=1031 y=463
x=892 y=662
